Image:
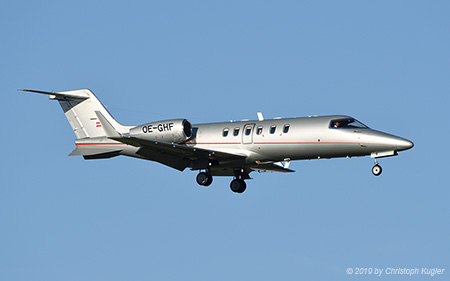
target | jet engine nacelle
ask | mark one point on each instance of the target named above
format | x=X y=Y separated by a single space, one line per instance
x=174 y=131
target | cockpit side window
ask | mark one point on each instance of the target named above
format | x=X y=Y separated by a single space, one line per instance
x=347 y=124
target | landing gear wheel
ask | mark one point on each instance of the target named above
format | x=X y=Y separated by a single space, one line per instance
x=204 y=179
x=238 y=185
x=376 y=170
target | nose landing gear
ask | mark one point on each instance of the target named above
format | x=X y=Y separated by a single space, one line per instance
x=376 y=170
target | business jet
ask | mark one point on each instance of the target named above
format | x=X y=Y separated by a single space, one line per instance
x=232 y=149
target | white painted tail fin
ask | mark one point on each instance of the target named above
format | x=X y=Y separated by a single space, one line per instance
x=80 y=107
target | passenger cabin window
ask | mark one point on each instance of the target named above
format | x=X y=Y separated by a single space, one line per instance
x=273 y=129
x=259 y=130
x=236 y=132
x=347 y=124
x=286 y=128
x=248 y=130
x=225 y=132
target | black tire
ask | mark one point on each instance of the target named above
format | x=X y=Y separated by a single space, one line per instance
x=209 y=181
x=376 y=170
x=204 y=179
x=238 y=186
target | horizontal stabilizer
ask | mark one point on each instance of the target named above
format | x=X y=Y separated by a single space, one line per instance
x=92 y=151
x=68 y=95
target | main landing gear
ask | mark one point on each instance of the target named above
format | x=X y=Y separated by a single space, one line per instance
x=376 y=170
x=204 y=178
x=237 y=185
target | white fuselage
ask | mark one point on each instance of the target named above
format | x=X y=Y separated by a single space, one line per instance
x=305 y=138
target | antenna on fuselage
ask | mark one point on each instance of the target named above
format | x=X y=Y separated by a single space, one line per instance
x=260 y=116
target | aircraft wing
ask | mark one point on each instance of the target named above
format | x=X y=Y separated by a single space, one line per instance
x=175 y=155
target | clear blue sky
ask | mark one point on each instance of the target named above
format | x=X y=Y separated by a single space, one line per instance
x=386 y=63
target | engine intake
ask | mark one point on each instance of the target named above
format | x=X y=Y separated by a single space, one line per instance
x=175 y=131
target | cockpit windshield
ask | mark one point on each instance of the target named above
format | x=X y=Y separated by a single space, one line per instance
x=349 y=123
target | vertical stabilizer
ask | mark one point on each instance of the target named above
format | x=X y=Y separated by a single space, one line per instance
x=80 y=107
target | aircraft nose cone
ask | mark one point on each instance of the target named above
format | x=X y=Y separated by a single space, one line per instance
x=404 y=144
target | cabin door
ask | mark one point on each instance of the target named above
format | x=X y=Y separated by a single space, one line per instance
x=247 y=134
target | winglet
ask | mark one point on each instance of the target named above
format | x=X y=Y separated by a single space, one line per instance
x=107 y=127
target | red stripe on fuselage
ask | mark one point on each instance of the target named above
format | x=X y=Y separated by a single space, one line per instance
x=227 y=143
x=318 y=142
x=195 y=143
x=276 y=143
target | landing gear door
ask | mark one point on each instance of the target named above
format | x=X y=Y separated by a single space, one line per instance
x=247 y=134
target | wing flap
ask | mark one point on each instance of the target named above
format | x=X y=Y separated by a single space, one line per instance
x=174 y=161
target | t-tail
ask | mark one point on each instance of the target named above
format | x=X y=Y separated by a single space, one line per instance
x=91 y=122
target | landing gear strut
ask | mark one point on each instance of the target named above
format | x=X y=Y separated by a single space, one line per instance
x=204 y=178
x=376 y=170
